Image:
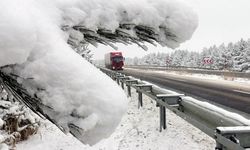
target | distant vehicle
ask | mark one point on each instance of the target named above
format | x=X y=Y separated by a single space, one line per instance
x=114 y=60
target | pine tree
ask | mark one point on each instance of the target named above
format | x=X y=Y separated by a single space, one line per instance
x=234 y=56
x=238 y=54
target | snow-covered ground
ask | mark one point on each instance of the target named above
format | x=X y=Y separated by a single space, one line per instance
x=139 y=129
x=216 y=77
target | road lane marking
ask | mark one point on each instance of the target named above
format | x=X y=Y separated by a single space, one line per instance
x=244 y=92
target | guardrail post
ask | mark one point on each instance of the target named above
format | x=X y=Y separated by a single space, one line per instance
x=128 y=84
x=139 y=99
x=236 y=138
x=171 y=100
x=162 y=118
x=123 y=79
x=118 y=76
x=129 y=90
x=122 y=84
x=113 y=75
x=143 y=87
x=218 y=146
x=117 y=80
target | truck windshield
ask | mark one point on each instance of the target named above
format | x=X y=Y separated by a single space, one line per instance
x=117 y=59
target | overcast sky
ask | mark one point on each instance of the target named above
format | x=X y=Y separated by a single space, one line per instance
x=220 y=21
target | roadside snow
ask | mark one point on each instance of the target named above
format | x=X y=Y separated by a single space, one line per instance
x=207 y=76
x=49 y=137
x=139 y=129
x=226 y=114
x=4 y=147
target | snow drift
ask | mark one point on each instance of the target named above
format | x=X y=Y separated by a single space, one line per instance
x=31 y=36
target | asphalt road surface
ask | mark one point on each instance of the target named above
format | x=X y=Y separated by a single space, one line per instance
x=231 y=94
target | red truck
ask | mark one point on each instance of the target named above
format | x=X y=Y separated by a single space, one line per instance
x=114 y=60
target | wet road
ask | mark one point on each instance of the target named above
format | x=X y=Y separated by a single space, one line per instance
x=230 y=94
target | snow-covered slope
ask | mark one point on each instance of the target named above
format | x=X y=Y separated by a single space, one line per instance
x=139 y=129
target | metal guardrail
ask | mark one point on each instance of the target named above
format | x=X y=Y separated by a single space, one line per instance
x=194 y=70
x=230 y=131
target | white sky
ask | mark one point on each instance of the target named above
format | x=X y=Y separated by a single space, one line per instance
x=220 y=21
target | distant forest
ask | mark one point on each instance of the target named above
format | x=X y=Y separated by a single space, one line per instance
x=234 y=56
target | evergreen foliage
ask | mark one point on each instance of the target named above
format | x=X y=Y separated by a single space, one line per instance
x=233 y=56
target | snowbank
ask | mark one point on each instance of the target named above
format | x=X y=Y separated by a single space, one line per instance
x=31 y=36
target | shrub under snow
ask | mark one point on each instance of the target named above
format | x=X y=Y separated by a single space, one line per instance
x=17 y=122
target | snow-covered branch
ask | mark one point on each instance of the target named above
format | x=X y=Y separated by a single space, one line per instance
x=38 y=37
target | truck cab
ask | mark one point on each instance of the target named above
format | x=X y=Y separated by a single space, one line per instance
x=114 y=60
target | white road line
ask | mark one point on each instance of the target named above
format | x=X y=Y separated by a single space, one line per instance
x=244 y=92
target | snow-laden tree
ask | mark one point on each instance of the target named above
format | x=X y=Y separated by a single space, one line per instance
x=245 y=57
x=238 y=54
x=215 y=55
x=223 y=58
x=234 y=57
x=177 y=58
x=191 y=59
x=135 y=61
x=40 y=41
